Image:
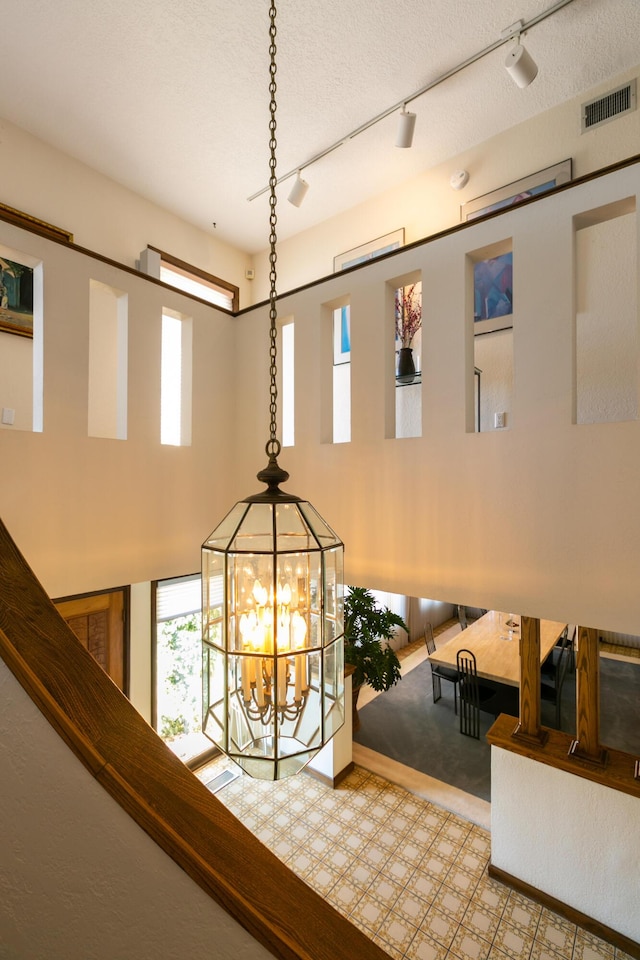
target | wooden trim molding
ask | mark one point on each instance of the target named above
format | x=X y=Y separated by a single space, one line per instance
x=11 y=215
x=569 y=913
x=175 y=809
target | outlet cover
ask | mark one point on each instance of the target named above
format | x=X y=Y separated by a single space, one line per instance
x=500 y=420
x=8 y=416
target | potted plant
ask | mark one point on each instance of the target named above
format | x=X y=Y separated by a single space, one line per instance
x=368 y=627
x=408 y=322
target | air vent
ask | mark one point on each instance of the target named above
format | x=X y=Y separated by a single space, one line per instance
x=612 y=105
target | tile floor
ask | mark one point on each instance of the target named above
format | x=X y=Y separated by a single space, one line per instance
x=409 y=873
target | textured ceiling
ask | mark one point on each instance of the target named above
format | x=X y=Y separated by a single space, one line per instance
x=170 y=97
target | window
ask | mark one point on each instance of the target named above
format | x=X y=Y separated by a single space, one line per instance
x=342 y=374
x=190 y=279
x=178 y=666
x=288 y=384
x=175 y=380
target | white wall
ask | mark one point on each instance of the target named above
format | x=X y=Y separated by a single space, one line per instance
x=575 y=840
x=79 y=878
x=527 y=518
x=92 y=513
x=102 y=215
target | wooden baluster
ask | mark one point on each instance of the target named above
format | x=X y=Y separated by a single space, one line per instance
x=529 y=727
x=586 y=746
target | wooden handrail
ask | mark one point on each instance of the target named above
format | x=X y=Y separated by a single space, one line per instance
x=184 y=818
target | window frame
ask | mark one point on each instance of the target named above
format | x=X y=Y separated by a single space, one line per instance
x=196 y=273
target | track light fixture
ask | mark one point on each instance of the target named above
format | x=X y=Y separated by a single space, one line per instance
x=406 y=126
x=298 y=191
x=519 y=64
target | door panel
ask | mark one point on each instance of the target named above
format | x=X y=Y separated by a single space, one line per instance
x=98 y=622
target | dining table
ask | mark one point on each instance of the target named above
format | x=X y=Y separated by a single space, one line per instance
x=494 y=639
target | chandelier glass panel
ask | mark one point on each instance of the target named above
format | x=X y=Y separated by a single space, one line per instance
x=273 y=635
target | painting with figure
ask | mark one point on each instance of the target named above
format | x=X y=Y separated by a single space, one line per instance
x=16 y=298
x=493 y=287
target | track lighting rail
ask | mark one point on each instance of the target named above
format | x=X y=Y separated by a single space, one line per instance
x=507 y=36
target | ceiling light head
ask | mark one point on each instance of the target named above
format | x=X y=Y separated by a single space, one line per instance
x=298 y=191
x=406 y=126
x=521 y=66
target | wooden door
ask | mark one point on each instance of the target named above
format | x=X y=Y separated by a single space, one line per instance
x=98 y=621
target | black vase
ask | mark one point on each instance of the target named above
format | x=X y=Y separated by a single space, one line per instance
x=406 y=367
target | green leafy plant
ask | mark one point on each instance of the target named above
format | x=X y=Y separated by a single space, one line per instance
x=368 y=627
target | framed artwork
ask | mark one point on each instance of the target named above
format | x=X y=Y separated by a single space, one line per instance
x=369 y=251
x=16 y=298
x=493 y=294
x=341 y=335
x=516 y=192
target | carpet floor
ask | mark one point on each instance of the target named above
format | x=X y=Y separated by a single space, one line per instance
x=405 y=725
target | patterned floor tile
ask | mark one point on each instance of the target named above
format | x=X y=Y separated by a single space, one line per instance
x=344 y=896
x=369 y=913
x=423 y=947
x=468 y=945
x=440 y=927
x=556 y=934
x=410 y=875
x=491 y=895
x=513 y=941
x=435 y=865
x=360 y=874
x=451 y=902
x=522 y=913
x=374 y=854
x=384 y=889
x=541 y=951
x=462 y=881
x=445 y=847
x=481 y=921
x=412 y=908
x=397 y=932
x=589 y=947
x=398 y=870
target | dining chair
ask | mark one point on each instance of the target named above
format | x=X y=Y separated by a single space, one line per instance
x=439 y=672
x=474 y=696
x=462 y=617
x=552 y=681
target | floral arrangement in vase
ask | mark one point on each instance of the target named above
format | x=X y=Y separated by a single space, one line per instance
x=408 y=313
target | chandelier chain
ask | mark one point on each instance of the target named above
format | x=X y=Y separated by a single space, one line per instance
x=273 y=446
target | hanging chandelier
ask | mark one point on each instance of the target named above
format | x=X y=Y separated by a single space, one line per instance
x=273 y=598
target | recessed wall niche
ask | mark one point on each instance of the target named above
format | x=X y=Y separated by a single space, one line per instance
x=108 y=328
x=336 y=371
x=606 y=314
x=489 y=340
x=405 y=304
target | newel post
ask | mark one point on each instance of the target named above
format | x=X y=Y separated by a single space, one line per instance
x=586 y=746
x=529 y=727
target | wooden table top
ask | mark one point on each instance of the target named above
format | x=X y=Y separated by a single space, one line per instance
x=497 y=654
